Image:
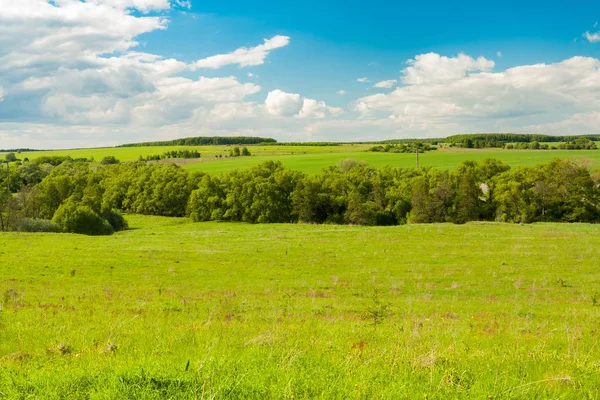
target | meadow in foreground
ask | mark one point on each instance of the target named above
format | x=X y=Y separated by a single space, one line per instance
x=171 y=309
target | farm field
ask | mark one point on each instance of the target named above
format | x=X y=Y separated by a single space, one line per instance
x=312 y=159
x=172 y=309
x=208 y=152
x=444 y=159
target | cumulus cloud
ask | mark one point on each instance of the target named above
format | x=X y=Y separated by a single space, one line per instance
x=432 y=67
x=508 y=100
x=386 y=84
x=70 y=68
x=282 y=104
x=72 y=74
x=244 y=56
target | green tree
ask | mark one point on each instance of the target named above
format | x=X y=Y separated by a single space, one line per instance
x=74 y=218
x=109 y=160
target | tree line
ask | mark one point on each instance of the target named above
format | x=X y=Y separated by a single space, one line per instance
x=403 y=148
x=206 y=141
x=521 y=141
x=76 y=198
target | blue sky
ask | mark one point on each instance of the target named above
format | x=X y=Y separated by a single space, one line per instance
x=291 y=70
x=338 y=41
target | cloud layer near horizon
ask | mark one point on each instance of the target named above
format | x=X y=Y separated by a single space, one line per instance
x=72 y=74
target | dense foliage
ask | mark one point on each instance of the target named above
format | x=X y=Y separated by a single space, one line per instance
x=521 y=141
x=83 y=200
x=403 y=148
x=187 y=154
x=36 y=225
x=205 y=141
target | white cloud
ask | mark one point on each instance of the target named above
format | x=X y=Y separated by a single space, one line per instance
x=341 y=92
x=244 y=56
x=499 y=54
x=432 y=67
x=318 y=109
x=519 y=97
x=592 y=37
x=362 y=80
x=386 y=84
x=251 y=75
x=282 y=104
x=141 y=5
x=69 y=67
x=72 y=75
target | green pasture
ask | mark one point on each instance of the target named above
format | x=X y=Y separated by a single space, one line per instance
x=312 y=159
x=314 y=163
x=208 y=152
x=176 y=310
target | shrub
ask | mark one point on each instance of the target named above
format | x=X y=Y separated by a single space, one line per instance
x=74 y=218
x=115 y=219
x=108 y=160
x=36 y=225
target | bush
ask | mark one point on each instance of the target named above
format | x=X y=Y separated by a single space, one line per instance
x=115 y=219
x=74 y=218
x=36 y=225
x=108 y=160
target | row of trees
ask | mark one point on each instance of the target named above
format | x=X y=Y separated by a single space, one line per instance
x=577 y=144
x=187 y=154
x=206 y=141
x=349 y=193
x=403 y=148
x=521 y=141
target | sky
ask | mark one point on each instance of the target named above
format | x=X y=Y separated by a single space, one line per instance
x=106 y=72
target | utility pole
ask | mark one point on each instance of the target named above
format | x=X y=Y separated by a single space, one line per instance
x=417 y=153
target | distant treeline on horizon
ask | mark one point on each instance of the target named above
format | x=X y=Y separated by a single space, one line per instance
x=205 y=141
x=485 y=140
x=491 y=138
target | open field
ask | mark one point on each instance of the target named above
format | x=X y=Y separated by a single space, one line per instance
x=312 y=159
x=209 y=152
x=314 y=163
x=171 y=309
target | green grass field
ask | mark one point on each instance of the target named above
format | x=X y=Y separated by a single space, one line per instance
x=315 y=162
x=208 y=152
x=312 y=159
x=175 y=310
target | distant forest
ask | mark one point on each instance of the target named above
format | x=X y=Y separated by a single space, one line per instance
x=472 y=140
x=205 y=141
x=500 y=140
x=74 y=197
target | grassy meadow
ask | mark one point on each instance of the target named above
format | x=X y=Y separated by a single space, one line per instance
x=312 y=159
x=175 y=310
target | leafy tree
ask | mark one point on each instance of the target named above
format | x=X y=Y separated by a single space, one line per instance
x=74 y=218
x=115 y=219
x=109 y=160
